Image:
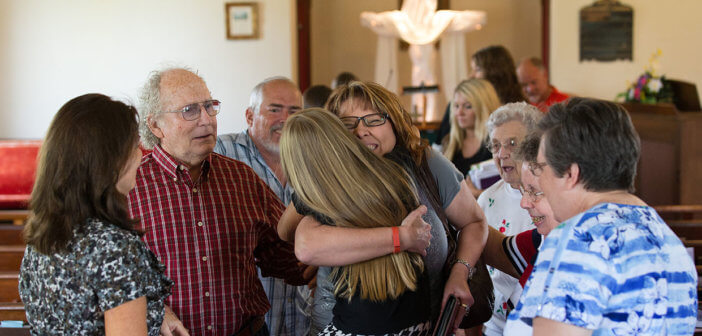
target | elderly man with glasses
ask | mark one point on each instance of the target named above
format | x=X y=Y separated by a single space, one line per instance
x=209 y=219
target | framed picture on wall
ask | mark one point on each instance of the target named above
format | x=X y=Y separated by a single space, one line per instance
x=242 y=20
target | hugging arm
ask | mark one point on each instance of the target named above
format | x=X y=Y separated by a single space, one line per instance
x=325 y=245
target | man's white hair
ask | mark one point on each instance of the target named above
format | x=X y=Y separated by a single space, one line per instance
x=150 y=103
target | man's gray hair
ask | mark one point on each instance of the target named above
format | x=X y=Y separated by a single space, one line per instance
x=150 y=104
x=256 y=97
x=526 y=114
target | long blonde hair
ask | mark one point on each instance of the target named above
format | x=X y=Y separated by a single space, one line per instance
x=483 y=98
x=336 y=176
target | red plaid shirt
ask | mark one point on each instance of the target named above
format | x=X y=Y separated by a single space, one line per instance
x=211 y=235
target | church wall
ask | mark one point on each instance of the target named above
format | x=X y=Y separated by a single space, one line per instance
x=672 y=26
x=55 y=50
x=340 y=43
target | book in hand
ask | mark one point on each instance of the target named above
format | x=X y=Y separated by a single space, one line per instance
x=484 y=174
x=444 y=326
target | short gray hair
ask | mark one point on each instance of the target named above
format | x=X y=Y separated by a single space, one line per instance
x=150 y=103
x=256 y=97
x=525 y=113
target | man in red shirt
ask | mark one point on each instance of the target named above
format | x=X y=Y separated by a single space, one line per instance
x=208 y=218
x=533 y=77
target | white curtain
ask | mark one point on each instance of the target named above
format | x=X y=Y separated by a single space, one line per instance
x=454 y=62
x=386 y=63
x=421 y=25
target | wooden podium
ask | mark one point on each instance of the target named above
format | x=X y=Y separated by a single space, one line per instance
x=670 y=168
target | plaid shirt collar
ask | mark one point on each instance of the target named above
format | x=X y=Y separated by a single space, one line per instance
x=171 y=166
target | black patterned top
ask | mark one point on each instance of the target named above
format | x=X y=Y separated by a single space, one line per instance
x=105 y=266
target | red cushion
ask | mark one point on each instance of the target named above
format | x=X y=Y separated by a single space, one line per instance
x=18 y=165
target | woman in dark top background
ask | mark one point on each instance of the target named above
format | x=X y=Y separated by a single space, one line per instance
x=85 y=270
x=496 y=65
x=473 y=101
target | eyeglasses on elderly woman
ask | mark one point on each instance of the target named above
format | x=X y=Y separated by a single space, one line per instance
x=534 y=196
x=510 y=145
x=536 y=168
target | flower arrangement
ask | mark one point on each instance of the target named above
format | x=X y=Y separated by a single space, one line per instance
x=649 y=88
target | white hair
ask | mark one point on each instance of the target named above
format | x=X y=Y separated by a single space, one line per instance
x=150 y=103
x=526 y=114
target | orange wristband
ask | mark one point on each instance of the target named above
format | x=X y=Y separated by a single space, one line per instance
x=396 y=239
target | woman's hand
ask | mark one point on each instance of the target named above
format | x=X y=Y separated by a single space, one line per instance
x=457 y=285
x=415 y=233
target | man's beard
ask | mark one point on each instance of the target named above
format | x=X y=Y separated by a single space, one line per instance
x=268 y=143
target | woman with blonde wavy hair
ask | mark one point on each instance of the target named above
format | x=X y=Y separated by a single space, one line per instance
x=473 y=101
x=324 y=164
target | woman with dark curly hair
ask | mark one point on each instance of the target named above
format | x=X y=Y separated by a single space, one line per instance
x=495 y=64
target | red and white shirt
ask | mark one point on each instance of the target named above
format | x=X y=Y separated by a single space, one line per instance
x=211 y=234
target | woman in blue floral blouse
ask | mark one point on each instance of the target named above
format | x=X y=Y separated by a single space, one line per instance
x=612 y=267
x=85 y=270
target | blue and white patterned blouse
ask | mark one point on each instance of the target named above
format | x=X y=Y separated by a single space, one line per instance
x=614 y=269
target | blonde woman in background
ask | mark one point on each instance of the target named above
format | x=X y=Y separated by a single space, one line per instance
x=324 y=163
x=473 y=101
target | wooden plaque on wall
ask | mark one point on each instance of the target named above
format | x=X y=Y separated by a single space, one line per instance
x=606 y=31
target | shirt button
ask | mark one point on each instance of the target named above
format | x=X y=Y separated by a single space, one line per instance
x=199 y=224
x=209 y=327
x=195 y=190
x=204 y=258
x=175 y=179
x=207 y=294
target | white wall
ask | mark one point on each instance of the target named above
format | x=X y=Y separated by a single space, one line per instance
x=672 y=26
x=55 y=50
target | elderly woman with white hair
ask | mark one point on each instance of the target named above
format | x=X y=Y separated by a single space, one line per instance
x=507 y=128
x=612 y=267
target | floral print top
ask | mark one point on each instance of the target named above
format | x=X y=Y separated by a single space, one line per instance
x=614 y=269
x=103 y=266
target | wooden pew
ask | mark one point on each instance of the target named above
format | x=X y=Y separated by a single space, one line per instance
x=15 y=217
x=11 y=257
x=8 y=287
x=11 y=235
x=12 y=312
x=15 y=331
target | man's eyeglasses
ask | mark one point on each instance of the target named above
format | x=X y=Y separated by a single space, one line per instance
x=192 y=111
x=536 y=168
x=494 y=147
x=370 y=120
x=534 y=196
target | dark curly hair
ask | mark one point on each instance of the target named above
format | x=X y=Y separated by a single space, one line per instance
x=498 y=66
